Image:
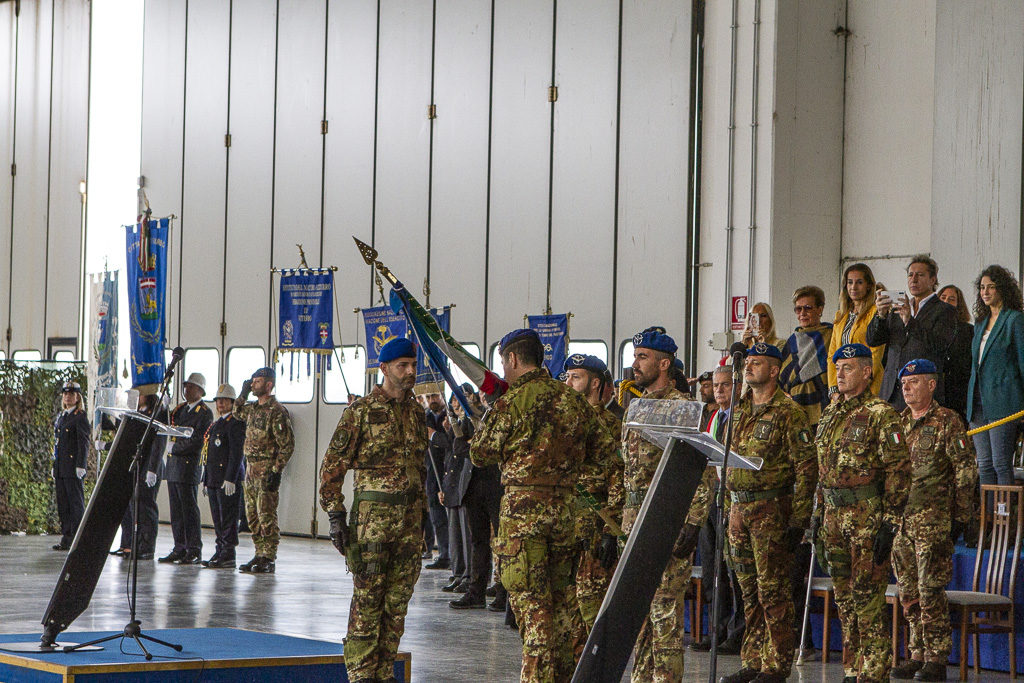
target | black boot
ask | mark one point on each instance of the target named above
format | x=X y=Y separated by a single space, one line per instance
x=744 y=675
x=247 y=567
x=931 y=671
x=906 y=670
x=468 y=601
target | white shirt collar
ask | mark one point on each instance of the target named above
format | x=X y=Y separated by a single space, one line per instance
x=192 y=406
x=914 y=313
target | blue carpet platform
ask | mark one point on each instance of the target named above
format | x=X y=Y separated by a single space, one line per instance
x=219 y=655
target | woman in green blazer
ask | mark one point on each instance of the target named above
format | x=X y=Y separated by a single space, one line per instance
x=996 y=389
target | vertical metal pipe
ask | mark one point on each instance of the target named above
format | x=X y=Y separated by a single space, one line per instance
x=752 y=232
x=730 y=186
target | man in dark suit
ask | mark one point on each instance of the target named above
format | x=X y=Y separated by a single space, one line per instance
x=434 y=405
x=457 y=472
x=916 y=325
x=152 y=474
x=70 y=457
x=223 y=476
x=182 y=472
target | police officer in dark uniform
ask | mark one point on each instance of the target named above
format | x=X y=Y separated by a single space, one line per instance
x=70 y=457
x=182 y=472
x=223 y=476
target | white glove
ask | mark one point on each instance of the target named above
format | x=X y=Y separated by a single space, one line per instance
x=229 y=488
x=150 y=479
x=80 y=472
x=206 y=491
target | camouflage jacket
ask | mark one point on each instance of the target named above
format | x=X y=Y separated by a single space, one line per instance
x=268 y=433
x=860 y=442
x=777 y=432
x=542 y=433
x=943 y=469
x=383 y=439
x=641 y=458
x=605 y=480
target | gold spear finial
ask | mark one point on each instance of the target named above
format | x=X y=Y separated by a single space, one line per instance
x=368 y=253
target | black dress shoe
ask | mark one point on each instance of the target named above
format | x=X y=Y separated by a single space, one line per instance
x=744 y=675
x=264 y=566
x=189 y=558
x=438 y=564
x=931 y=671
x=173 y=556
x=61 y=546
x=496 y=605
x=491 y=591
x=462 y=586
x=906 y=670
x=468 y=601
x=770 y=678
x=247 y=567
x=450 y=586
x=121 y=552
x=220 y=564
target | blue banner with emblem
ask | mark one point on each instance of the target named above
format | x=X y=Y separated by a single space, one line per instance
x=306 y=311
x=382 y=325
x=147 y=298
x=553 y=331
x=424 y=374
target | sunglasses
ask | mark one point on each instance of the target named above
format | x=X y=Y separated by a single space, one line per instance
x=803 y=309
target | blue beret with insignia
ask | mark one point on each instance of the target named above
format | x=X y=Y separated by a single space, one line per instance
x=654 y=338
x=851 y=351
x=517 y=335
x=592 y=363
x=399 y=347
x=762 y=349
x=268 y=373
x=919 y=366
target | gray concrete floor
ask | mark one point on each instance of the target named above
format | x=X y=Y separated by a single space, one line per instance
x=308 y=596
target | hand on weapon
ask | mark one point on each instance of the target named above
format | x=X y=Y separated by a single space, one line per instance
x=274 y=481
x=608 y=551
x=339 y=532
x=883 y=543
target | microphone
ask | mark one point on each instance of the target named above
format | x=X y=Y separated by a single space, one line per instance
x=738 y=351
x=176 y=355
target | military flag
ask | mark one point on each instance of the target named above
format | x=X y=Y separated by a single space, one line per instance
x=553 y=331
x=306 y=315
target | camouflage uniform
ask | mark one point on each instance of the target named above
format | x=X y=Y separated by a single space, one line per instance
x=765 y=505
x=944 y=477
x=864 y=476
x=545 y=437
x=659 y=647
x=591 y=578
x=382 y=440
x=269 y=444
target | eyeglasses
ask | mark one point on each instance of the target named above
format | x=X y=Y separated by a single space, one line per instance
x=803 y=309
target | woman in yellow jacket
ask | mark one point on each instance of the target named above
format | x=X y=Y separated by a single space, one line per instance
x=856 y=308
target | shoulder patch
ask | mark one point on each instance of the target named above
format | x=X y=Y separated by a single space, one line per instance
x=895 y=439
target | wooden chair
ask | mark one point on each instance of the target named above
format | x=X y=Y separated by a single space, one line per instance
x=988 y=607
x=821 y=587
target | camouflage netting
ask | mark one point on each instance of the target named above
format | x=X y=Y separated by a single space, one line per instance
x=30 y=399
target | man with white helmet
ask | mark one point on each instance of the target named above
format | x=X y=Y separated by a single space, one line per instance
x=182 y=471
x=223 y=474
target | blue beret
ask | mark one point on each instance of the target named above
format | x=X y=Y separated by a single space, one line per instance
x=399 y=347
x=851 y=351
x=516 y=335
x=919 y=366
x=655 y=338
x=269 y=373
x=762 y=349
x=592 y=363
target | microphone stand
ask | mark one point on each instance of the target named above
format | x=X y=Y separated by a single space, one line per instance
x=133 y=629
x=737 y=381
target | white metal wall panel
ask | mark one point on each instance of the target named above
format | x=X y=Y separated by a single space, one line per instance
x=32 y=156
x=653 y=170
x=7 y=41
x=458 y=226
x=67 y=165
x=297 y=177
x=403 y=135
x=162 y=108
x=583 y=212
x=887 y=154
x=247 y=287
x=201 y=237
x=519 y=164
x=348 y=194
x=976 y=181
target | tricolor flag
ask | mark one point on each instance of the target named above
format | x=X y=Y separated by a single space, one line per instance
x=437 y=343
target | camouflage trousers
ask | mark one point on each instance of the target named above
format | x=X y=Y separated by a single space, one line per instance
x=261 y=511
x=591 y=578
x=536 y=556
x=389 y=537
x=658 y=657
x=763 y=564
x=848 y=534
x=923 y=562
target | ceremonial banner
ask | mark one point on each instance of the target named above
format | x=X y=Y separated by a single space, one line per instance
x=554 y=335
x=424 y=373
x=147 y=298
x=382 y=325
x=103 y=297
x=306 y=313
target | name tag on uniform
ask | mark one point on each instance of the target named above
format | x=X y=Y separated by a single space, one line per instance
x=377 y=417
x=763 y=429
x=927 y=439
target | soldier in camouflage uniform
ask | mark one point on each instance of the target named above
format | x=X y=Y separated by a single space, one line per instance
x=944 y=479
x=269 y=443
x=382 y=438
x=596 y=540
x=545 y=438
x=659 y=647
x=770 y=511
x=863 y=479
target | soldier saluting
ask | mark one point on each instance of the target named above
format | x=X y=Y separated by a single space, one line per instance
x=864 y=476
x=944 y=479
x=381 y=437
